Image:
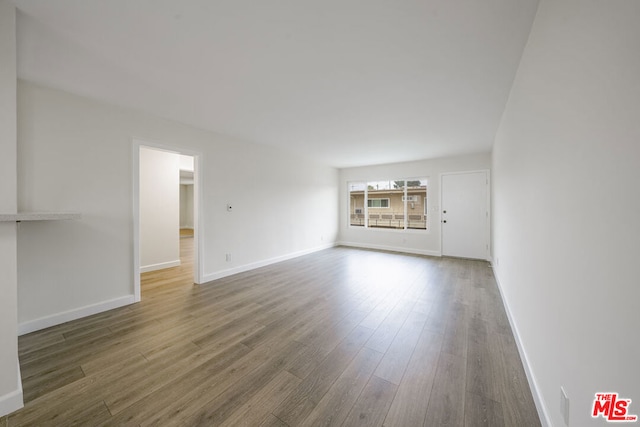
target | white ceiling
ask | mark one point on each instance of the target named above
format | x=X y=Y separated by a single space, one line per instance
x=347 y=82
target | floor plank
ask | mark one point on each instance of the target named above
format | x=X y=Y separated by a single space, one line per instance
x=256 y=409
x=401 y=340
x=482 y=412
x=397 y=357
x=446 y=402
x=409 y=405
x=371 y=407
x=308 y=394
x=335 y=405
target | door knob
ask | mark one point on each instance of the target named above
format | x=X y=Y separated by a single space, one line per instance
x=445 y=221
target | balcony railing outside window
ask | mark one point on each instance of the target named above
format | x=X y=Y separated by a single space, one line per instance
x=392 y=220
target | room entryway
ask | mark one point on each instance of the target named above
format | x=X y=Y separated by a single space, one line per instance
x=166 y=202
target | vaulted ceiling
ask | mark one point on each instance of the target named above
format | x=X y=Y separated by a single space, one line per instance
x=348 y=82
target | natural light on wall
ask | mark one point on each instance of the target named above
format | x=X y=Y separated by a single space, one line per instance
x=395 y=204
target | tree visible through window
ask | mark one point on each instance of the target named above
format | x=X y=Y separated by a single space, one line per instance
x=394 y=204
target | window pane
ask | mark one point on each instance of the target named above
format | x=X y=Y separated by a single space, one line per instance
x=384 y=199
x=356 y=203
x=417 y=204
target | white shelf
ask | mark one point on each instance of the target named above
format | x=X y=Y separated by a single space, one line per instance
x=39 y=216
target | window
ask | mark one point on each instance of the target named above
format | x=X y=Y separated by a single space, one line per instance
x=378 y=203
x=395 y=204
x=356 y=204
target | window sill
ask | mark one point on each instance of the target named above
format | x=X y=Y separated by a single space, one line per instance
x=390 y=230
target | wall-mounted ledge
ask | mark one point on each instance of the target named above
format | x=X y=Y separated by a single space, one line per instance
x=39 y=216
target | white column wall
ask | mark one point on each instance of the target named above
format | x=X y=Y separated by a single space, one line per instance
x=10 y=386
x=566 y=168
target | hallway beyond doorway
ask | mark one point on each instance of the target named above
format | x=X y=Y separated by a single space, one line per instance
x=174 y=276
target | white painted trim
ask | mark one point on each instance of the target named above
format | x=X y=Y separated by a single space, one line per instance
x=76 y=313
x=366 y=206
x=159 y=266
x=12 y=401
x=135 y=167
x=198 y=226
x=247 y=267
x=533 y=384
x=488 y=230
x=391 y=248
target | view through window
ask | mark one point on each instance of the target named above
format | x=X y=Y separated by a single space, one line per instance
x=395 y=204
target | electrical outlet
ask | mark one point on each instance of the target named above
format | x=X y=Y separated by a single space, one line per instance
x=564 y=405
x=228 y=257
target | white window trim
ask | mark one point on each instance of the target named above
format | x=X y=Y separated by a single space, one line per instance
x=406 y=215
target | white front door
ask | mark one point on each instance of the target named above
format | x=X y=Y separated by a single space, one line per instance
x=465 y=214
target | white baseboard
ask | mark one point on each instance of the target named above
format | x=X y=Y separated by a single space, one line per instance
x=159 y=266
x=66 y=316
x=391 y=248
x=241 y=269
x=545 y=420
x=13 y=401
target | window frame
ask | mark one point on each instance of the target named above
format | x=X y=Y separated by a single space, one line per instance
x=405 y=223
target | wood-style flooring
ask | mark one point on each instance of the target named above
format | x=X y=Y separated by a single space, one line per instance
x=342 y=337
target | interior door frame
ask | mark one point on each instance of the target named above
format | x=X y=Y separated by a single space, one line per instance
x=487 y=173
x=137 y=143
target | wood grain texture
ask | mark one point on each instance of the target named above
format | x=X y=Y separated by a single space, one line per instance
x=409 y=405
x=306 y=396
x=447 y=399
x=482 y=412
x=340 y=337
x=371 y=407
x=336 y=404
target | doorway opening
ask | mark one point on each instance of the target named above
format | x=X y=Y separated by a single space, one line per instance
x=166 y=237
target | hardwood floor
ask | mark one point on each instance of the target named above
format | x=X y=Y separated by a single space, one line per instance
x=340 y=337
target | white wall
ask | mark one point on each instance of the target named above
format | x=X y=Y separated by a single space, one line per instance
x=427 y=243
x=77 y=154
x=566 y=237
x=186 y=206
x=10 y=387
x=159 y=209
